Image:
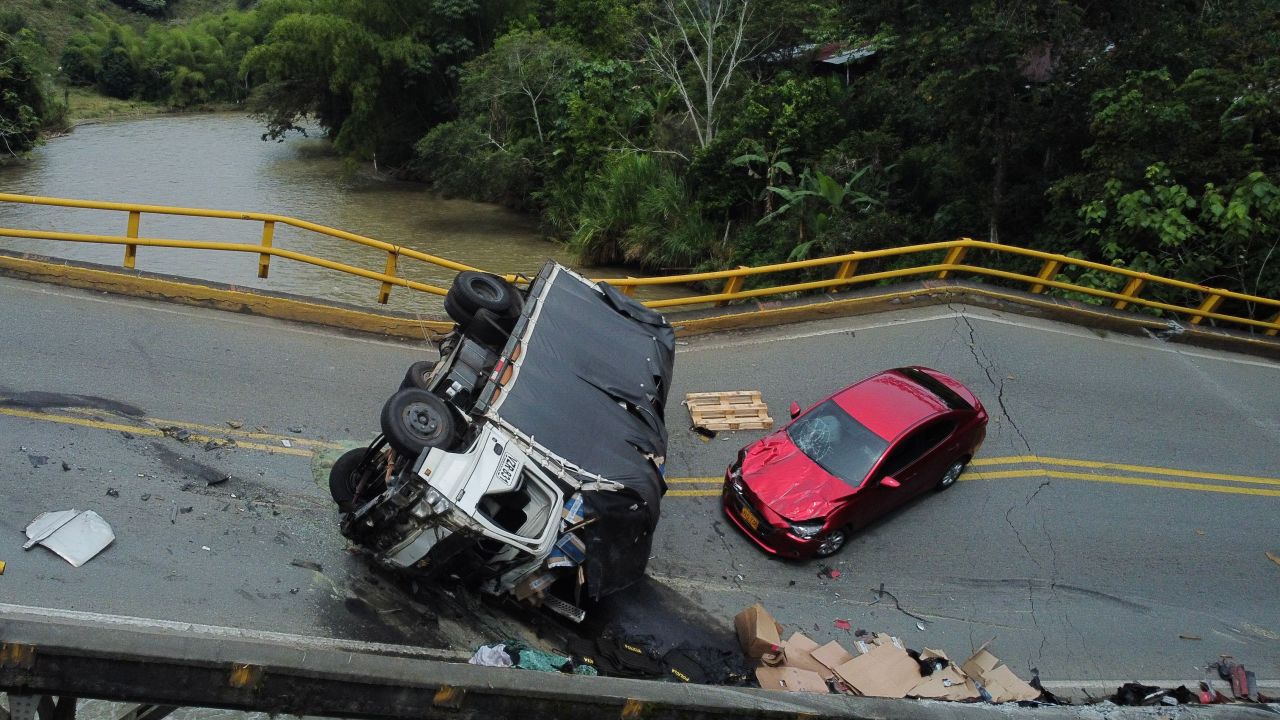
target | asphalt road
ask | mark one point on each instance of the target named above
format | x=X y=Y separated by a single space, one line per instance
x=1123 y=501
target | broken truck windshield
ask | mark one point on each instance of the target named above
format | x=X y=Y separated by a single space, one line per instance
x=838 y=443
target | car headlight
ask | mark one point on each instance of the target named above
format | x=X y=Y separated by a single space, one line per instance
x=807 y=529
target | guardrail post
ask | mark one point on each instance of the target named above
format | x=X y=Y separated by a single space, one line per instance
x=384 y=293
x=629 y=290
x=732 y=285
x=1209 y=304
x=1047 y=271
x=264 y=260
x=1275 y=322
x=847 y=269
x=954 y=256
x=1130 y=289
x=130 y=250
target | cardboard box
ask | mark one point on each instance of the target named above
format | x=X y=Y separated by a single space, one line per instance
x=998 y=679
x=831 y=656
x=758 y=632
x=949 y=683
x=789 y=679
x=797 y=652
x=885 y=671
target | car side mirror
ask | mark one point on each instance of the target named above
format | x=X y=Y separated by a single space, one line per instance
x=794 y=409
x=889 y=482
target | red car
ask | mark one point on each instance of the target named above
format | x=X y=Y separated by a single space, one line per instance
x=801 y=491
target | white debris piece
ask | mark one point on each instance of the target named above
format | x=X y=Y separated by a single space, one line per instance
x=76 y=536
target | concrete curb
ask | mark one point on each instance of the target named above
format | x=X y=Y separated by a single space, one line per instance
x=129 y=660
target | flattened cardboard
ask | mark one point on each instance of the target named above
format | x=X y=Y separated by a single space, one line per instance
x=885 y=671
x=949 y=683
x=831 y=656
x=789 y=679
x=757 y=631
x=998 y=679
x=797 y=652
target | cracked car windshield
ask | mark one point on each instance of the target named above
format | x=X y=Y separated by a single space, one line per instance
x=843 y=446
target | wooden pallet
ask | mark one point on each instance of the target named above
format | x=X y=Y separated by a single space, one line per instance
x=733 y=410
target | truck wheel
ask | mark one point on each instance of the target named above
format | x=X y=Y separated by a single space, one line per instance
x=344 y=477
x=455 y=312
x=414 y=419
x=472 y=291
x=417 y=374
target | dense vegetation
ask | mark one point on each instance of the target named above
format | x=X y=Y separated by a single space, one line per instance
x=27 y=104
x=677 y=134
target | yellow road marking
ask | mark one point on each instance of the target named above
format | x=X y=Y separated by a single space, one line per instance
x=695 y=480
x=1145 y=469
x=1122 y=480
x=139 y=430
x=225 y=430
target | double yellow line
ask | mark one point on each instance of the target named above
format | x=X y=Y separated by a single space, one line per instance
x=1023 y=467
x=199 y=434
x=1037 y=467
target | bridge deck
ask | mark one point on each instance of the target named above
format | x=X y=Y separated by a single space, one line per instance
x=1124 y=497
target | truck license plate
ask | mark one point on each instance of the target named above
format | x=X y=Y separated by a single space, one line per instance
x=749 y=518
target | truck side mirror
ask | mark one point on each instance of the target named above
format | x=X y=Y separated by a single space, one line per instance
x=794 y=409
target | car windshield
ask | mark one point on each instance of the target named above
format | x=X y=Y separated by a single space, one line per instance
x=841 y=445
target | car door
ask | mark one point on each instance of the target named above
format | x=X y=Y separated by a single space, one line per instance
x=916 y=461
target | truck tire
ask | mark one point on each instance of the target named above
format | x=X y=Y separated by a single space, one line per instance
x=472 y=291
x=456 y=313
x=416 y=375
x=414 y=419
x=345 y=476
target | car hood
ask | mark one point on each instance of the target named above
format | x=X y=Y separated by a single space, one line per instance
x=785 y=479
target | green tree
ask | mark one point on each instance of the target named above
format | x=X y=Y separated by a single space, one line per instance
x=26 y=104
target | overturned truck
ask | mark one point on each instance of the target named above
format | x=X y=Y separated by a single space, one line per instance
x=529 y=459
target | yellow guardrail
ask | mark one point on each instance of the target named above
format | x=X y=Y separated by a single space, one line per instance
x=843 y=269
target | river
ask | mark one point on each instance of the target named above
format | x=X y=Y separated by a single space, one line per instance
x=220 y=161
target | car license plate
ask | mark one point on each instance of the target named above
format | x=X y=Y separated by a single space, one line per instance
x=749 y=518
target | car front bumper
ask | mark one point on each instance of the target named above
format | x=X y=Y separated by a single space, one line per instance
x=766 y=533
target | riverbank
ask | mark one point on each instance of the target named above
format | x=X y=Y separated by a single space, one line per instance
x=84 y=105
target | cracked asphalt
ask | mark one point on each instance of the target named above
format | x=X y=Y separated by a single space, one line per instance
x=1099 y=526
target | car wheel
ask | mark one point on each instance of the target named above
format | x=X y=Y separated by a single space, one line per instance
x=832 y=543
x=417 y=374
x=472 y=291
x=414 y=420
x=952 y=474
x=345 y=476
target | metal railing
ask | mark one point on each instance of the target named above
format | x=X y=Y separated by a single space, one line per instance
x=841 y=270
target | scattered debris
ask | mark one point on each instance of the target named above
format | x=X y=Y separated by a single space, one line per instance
x=185 y=510
x=285 y=442
x=205 y=548
x=173 y=514
x=293 y=591
x=843 y=625
x=829 y=572
x=704 y=433
x=235 y=424
x=76 y=536
x=295 y=430
x=178 y=433
x=491 y=656
x=1189 y=637
x=733 y=410
x=37 y=460
x=307 y=565
x=146 y=497
x=920 y=626
x=66 y=466
x=126 y=434
x=1273 y=557
x=1 y=567
x=219 y=443
x=112 y=492
x=217 y=481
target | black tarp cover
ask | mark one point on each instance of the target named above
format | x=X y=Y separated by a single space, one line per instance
x=591 y=388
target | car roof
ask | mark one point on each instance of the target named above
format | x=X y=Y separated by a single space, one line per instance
x=889 y=403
